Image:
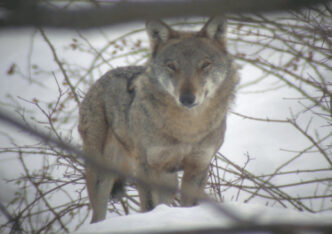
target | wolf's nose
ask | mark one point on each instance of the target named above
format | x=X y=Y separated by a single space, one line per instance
x=187 y=100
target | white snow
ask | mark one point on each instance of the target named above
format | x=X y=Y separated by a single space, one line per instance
x=164 y=218
x=262 y=141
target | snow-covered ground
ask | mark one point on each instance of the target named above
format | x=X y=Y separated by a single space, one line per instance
x=204 y=216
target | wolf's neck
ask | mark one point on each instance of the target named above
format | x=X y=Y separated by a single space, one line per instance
x=186 y=125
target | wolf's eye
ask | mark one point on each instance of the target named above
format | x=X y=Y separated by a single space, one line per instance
x=171 y=66
x=205 y=65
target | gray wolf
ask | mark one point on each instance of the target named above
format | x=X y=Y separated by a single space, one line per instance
x=155 y=120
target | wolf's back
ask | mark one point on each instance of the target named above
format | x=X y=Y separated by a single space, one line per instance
x=108 y=101
x=116 y=85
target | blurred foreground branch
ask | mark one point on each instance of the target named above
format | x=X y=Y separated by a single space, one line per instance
x=279 y=228
x=241 y=224
x=94 y=13
x=147 y=182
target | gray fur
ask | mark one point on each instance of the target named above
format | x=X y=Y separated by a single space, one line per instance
x=155 y=120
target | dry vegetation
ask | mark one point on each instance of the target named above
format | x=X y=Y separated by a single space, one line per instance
x=292 y=49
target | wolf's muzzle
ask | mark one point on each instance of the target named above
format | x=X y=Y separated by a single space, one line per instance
x=187 y=100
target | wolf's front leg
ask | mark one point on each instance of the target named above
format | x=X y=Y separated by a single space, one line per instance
x=145 y=190
x=193 y=183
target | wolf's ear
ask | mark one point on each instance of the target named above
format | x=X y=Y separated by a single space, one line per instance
x=158 y=32
x=215 y=29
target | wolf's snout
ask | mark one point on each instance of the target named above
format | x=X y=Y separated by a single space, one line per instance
x=187 y=100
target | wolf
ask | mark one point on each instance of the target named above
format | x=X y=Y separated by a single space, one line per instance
x=155 y=120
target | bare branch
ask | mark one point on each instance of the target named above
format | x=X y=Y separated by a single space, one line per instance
x=288 y=50
x=60 y=64
x=14 y=220
x=145 y=181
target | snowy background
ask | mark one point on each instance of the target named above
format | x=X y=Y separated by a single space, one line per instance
x=268 y=145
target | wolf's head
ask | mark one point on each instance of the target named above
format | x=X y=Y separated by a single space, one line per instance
x=189 y=66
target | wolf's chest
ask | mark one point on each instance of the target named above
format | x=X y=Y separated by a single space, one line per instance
x=172 y=158
x=188 y=127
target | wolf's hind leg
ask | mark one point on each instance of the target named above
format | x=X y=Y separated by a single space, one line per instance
x=151 y=196
x=118 y=190
x=99 y=184
x=165 y=196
